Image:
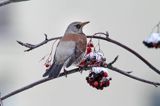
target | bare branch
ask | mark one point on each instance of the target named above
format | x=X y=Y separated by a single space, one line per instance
x=5 y=3
x=1 y=104
x=156 y=84
x=128 y=49
x=115 y=59
x=18 y=0
x=46 y=37
x=37 y=83
x=74 y=71
x=10 y=1
x=31 y=47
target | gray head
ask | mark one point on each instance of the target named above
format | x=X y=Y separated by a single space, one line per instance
x=76 y=27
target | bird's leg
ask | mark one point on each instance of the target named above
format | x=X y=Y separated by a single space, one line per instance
x=81 y=70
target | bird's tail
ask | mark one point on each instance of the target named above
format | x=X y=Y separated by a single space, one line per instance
x=53 y=71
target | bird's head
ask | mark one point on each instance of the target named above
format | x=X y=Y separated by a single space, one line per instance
x=76 y=27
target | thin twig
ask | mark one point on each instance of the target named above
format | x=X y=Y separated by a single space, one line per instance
x=128 y=49
x=1 y=104
x=74 y=71
x=115 y=59
x=5 y=3
x=10 y=1
x=31 y=47
x=156 y=84
x=127 y=73
x=18 y=0
x=37 y=83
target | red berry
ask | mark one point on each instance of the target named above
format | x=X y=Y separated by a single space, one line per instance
x=107 y=83
x=89 y=50
x=82 y=63
x=95 y=84
x=101 y=88
x=105 y=74
x=101 y=84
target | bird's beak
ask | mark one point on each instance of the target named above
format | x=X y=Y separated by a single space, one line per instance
x=84 y=23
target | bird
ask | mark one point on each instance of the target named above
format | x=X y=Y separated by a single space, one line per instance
x=70 y=49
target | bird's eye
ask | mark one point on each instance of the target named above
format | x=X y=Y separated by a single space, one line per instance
x=78 y=26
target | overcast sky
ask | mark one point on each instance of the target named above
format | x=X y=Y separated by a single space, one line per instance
x=127 y=21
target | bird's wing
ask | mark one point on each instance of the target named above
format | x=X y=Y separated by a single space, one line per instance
x=64 y=51
x=77 y=54
x=70 y=49
x=75 y=57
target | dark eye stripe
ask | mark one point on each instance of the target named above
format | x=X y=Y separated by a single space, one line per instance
x=78 y=26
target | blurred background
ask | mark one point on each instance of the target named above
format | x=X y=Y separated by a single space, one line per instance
x=128 y=21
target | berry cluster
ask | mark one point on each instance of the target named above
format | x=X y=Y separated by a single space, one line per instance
x=98 y=76
x=93 y=58
x=98 y=80
x=153 y=41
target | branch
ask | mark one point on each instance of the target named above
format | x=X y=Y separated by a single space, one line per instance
x=127 y=73
x=5 y=3
x=31 y=46
x=1 y=104
x=10 y=1
x=156 y=84
x=106 y=38
x=18 y=0
x=127 y=48
x=74 y=71
x=37 y=83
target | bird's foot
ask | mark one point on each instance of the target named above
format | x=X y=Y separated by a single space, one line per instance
x=81 y=71
x=65 y=72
